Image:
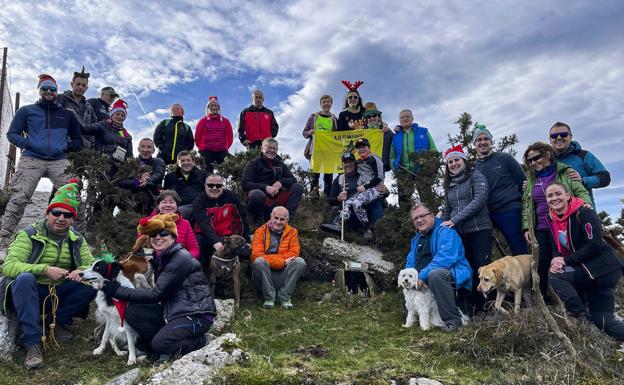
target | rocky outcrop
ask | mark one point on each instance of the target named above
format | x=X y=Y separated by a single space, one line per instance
x=201 y=366
x=8 y=330
x=225 y=312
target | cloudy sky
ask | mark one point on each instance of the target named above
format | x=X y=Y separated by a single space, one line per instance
x=517 y=66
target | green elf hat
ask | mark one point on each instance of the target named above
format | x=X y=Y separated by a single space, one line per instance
x=480 y=129
x=67 y=197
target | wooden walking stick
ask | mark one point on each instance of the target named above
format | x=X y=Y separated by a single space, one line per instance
x=344 y=188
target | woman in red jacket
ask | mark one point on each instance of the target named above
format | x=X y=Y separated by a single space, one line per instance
x=584 y=266
x=213 y=135
x=167 y=203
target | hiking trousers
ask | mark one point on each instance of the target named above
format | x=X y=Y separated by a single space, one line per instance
x=278 y=284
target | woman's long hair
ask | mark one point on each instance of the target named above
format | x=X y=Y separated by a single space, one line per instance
x=448 y=176
x=542 y=148
x=360 y=104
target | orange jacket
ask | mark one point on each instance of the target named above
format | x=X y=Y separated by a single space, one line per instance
x=288 y=246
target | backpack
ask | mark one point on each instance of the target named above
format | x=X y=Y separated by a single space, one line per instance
x=35 y=253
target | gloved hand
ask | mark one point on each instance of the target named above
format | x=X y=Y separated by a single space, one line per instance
x=109 y=288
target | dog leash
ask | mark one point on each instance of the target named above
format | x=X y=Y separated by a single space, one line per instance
x=54 y=304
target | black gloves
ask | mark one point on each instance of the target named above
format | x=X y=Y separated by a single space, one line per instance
x=110 y=288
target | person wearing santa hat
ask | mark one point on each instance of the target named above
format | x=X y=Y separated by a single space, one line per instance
x=47 y=257
x=173 y=136
x=465 y=210
x=213 y=135
x=111 y=138
x=45 y=132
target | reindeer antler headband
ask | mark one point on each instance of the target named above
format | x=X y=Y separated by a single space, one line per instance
x=352 y=86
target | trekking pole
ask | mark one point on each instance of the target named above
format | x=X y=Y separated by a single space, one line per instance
x=344 y=188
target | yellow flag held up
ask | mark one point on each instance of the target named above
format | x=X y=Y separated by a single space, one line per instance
x=329 y=147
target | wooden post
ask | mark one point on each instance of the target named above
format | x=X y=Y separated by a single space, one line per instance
x=11 y=161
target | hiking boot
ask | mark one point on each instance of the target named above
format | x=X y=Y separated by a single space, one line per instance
x=268 y=304
x=34 y=357
x=62 y=334
x=450 y=327
x=368 y=235
x=287 y=305
x=334 y=226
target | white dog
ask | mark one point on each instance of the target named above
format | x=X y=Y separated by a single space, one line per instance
x=107 y=313
x=421 y=303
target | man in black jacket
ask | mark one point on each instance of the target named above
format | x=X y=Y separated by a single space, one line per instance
x=172 y=135
x=505 y=177
x=188 y=181
x=268 y=182
x=102 y=105
x=74 y=100
x=149 y=182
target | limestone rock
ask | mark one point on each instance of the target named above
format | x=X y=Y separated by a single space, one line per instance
x=358 y=253
x=201 y=366
x=423 y=381
x=225 y=312
x=126 y=378
x=8 y=330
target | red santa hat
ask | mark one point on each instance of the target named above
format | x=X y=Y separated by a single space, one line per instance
x=119 y=105
x=46 y=80
x=454 y=151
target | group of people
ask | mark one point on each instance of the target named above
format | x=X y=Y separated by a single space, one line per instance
x=192 y=212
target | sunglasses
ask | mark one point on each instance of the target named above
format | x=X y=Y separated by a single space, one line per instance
x=48 y=88
x=58 y=213
x=162 y=234
x=353 y=97
x=535 y=158
x=373 y=116
x=556 y=135
x=214 y=185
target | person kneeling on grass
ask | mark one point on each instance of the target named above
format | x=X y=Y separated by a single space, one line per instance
x=276 y=264
x=172 y=317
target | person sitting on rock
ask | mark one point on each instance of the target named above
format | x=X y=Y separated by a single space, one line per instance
x=438 y=255
x=371 y=173
x=149 y=182
x=275 y=262
x=44 y=259
x=268 y=182
x=344 y=187
x=172 y=317
x=188 y=181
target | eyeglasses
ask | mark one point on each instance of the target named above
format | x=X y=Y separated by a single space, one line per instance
x=556 y=135
x=162 y=234
x=214 y=185
x=419 y=217
x=48 y=88
x=58 y=213
x=535 y=158
x=353 y=97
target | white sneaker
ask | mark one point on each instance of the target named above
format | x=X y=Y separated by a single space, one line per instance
x=287 y=305
x=268 y=304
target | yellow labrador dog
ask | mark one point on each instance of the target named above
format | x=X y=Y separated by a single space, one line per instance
x=508 y=274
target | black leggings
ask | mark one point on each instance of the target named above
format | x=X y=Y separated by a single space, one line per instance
x=545 y=255
x=600 y=292
x=478 y=247
x=181 y=335
x=213 y=158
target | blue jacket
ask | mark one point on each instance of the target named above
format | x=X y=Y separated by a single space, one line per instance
x=504 y=176
x=45 y=131
x=593 y=173
x=421 y=143
x=448 y=253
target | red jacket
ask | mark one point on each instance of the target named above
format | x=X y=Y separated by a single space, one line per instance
x=186 y=236
x=256 y=124
x=213 y=132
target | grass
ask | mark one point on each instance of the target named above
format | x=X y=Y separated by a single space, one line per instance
x=334 y=338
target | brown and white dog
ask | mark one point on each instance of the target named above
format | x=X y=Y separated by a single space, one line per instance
x=508 y=274
x=225 y=267
x=136 y=266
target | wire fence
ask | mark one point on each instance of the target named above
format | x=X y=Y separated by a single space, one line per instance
x=7 y=116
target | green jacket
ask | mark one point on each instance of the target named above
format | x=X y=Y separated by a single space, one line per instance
x=576 y=188
x=16 y=261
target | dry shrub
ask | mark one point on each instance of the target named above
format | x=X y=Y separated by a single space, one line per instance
x=523 y=350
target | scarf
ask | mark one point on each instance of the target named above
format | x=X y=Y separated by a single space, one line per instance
x=559 y=226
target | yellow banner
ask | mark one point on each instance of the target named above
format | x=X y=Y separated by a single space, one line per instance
x=329 y=147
